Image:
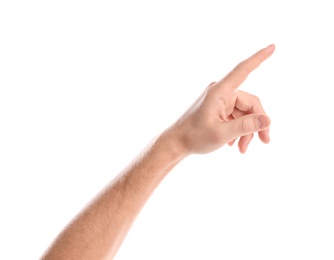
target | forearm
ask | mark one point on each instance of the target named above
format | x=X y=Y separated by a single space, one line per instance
x=98 y=231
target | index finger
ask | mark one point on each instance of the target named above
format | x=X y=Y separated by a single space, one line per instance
x=238 y=75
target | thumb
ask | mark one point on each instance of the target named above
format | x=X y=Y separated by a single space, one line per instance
x=245 y=125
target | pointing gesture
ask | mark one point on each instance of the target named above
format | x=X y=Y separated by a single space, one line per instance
x=223 y=113
x=235 y=78
x=220 y=115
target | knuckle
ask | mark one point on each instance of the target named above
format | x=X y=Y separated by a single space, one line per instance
x=256 y=104
x=247 y=126
x=210 y=85
x=256 y=99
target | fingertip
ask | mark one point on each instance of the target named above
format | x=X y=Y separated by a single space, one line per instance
x=267 y=139
x=264 y=136
x=231 y=142
x=270 y=48
x=242 y=150
x=242 y=147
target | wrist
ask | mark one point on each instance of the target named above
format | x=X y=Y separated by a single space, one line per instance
x=171 y=141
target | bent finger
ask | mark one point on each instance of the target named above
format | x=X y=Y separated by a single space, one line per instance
x=244 y=142
x=245 y=125
x=250 y=104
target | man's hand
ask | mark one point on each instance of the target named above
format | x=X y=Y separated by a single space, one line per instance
x=223 y=113
x=220 y=115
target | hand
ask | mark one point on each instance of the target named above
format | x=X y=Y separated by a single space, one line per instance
x=223 y=113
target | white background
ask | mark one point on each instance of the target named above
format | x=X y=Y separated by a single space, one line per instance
x=85 y=85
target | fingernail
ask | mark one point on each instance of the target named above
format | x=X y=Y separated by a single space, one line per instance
x=263 y=122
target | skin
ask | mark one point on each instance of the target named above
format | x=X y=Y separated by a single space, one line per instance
x=221 y=115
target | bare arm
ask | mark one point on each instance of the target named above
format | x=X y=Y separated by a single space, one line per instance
x=98 y=231
x=219 y=116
